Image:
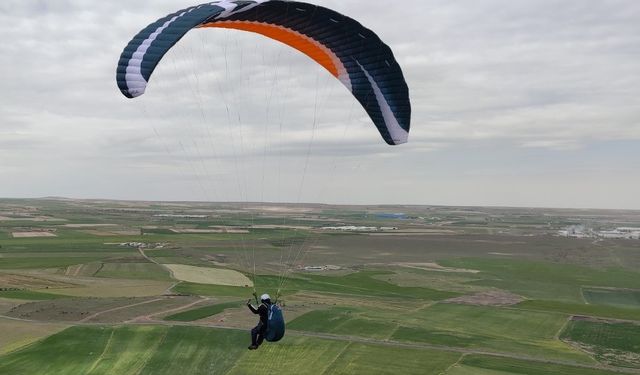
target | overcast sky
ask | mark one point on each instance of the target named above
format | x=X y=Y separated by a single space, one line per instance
x=515 y=103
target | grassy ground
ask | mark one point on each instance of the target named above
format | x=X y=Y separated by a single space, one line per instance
x=312 y=356
x=581 y=309
x=617 y=298
x=142 y=310
x=487 y=365
x=545 y=280
x=28 y=295
x=359 y=284
x=36 y=262
x=145 y=271
x=16 y=334
x=171 y=350
x=497 y=329
x=449 y=281
x=202 y=312
x=212 y=290
x=343 y=320
x=102 y=287
x=611 y=343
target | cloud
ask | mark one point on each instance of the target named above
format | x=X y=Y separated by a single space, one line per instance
x=544 y=75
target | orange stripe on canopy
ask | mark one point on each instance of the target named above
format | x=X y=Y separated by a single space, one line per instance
x=302 y=43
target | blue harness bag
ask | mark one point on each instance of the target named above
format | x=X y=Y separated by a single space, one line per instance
x=275 y=324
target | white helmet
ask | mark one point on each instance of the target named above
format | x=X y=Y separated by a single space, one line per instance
x=264 y=297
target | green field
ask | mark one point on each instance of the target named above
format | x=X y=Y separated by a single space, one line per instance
x=582 y=309
x=360 y=284
x=545 y=280
x=612 y=343
x=171 y=350
x=212 y=290
x=502 y=330
x=146 y=271
x=18 y=334
x=494 y=329
x=617 y=298
x=28 y=295
x=35 y=262
x=344 y=321
x=311 y=356
x=202 y=312
x=487 y=365
x=144 y=350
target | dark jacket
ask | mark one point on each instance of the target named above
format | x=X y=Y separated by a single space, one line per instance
x=262 y=310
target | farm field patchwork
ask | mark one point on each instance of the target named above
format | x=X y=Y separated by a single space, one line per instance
x=452 y=291
x=495 y=329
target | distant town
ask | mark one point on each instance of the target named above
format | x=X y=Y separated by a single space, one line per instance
x=580 y=231
x=355 y=228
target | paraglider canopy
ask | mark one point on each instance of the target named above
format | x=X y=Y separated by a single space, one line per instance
x=352 y=53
